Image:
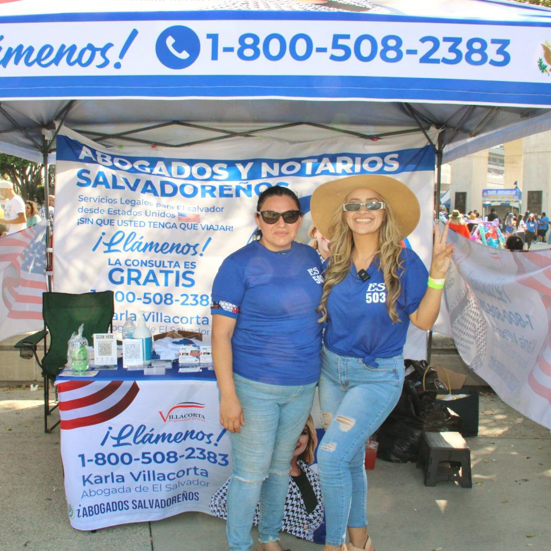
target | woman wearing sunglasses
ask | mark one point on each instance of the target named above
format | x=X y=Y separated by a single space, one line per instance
x=266 y=343
x=373 y=289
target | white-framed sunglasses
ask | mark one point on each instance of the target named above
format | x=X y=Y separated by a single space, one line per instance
x=369 y=205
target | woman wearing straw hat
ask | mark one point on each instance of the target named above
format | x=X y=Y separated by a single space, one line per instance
x=458 y=224
x=373 y=288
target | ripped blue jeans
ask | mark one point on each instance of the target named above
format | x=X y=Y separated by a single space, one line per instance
x=355 y=399
x=275 y=416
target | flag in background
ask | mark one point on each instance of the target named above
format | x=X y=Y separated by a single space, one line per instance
x=190 y=217
x=23 y=275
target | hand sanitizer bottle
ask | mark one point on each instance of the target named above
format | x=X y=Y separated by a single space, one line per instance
x=143 y=332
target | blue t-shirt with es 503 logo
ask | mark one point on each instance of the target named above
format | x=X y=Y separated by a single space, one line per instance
x=358 y=322
x=273 y=296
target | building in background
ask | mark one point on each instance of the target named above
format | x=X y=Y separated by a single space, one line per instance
x=513 y=177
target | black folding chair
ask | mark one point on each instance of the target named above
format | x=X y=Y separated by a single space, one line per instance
x=63 y=314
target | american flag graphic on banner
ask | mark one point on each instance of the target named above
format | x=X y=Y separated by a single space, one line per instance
x=191 y=217
x=87 y=403
x=23 y=272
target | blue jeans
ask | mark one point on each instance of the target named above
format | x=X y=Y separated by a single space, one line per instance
x=275 y=416
x=355 y=400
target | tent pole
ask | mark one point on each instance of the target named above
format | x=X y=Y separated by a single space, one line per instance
x=45 y=168
x=439 y=156
x=412 y=112
x=483 y=122
x=458 y=125
x=56 y=127
x=24 y=131
x=127 y=135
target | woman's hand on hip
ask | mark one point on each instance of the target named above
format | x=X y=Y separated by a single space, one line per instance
x=231 y=414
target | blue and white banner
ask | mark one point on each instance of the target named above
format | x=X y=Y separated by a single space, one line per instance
x=136 y=451
x=154 y=224
x=499 y=306
x=342 y=53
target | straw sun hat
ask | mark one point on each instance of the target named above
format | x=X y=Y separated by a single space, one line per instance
x=330 y=196
x=456 y=217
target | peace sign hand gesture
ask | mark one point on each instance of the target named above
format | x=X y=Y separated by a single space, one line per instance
x=441 y=253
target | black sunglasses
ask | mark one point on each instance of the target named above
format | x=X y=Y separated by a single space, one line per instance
x=272 y=216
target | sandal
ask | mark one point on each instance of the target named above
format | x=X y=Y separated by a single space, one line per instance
x=368 y=546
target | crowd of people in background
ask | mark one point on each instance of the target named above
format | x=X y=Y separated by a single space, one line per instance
x=17 y=214
x=526 y=229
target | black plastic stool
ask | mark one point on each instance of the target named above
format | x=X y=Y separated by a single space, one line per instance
x=445 y=456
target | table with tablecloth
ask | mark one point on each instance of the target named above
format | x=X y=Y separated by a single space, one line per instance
x=138 y=447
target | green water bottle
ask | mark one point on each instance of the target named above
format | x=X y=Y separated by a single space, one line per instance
x=80 y=358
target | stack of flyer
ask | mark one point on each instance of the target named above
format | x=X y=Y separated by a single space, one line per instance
x=193 y=358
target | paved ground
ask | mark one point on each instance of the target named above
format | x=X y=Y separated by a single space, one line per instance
x=509 y=506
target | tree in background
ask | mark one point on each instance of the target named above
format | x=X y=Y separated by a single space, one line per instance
x=26 y=177
x=545 y=3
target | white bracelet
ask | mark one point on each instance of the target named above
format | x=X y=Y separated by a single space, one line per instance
x=438 y=281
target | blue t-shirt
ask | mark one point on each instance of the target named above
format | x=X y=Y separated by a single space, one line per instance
x=273 y=296
x=531 y=225
x=543 y=224
x=358 y=321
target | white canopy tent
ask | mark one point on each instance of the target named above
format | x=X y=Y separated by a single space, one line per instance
x=126 y=72
x=180 y=72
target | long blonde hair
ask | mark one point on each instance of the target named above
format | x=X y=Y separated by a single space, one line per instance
x=342 y=246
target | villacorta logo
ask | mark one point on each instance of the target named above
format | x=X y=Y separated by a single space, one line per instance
x=184 y=411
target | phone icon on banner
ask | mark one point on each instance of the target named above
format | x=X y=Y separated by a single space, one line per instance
x=178 y=47
x=170 y=44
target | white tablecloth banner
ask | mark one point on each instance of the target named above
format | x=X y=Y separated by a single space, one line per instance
x=137 y=451
x=499 y=304
x=154 y=224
